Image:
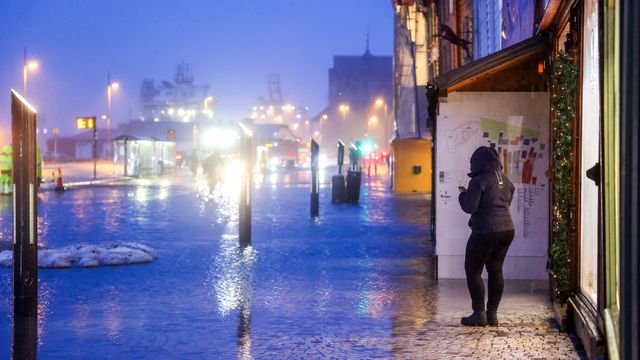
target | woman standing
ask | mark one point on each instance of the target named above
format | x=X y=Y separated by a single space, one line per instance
x=487 y=200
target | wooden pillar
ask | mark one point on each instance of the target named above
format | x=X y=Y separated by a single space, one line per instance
x=25 y=231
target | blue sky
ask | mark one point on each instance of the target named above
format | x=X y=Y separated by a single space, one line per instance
x=232 y=45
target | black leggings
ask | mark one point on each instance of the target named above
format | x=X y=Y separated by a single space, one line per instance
x=490 y=250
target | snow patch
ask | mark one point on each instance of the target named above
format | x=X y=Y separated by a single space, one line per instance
x=88 y=255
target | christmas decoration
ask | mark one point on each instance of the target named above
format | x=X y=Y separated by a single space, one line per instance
x=564 y=81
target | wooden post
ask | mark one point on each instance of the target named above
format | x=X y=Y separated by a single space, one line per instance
x=25 y=232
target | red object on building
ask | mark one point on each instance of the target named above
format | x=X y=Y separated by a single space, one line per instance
x=403 y=2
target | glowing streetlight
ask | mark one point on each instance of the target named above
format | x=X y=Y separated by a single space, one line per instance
x=373 y=119
x=110 y=87
x=344 y=109
x=26 y=67
x=207 y=100
x=380 y=102
x=288 y=108
x=323 y=123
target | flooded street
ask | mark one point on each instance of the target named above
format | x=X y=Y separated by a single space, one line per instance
x=305 y=287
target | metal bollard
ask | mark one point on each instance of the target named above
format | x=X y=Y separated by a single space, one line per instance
x=338 y=187
x=244 y=218
x=315 y=181
x=25 y=231
x=340 y=156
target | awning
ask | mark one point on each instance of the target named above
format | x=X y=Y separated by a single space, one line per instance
x=511 y=69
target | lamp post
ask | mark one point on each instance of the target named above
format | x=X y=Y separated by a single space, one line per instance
x=385 y=122
x=344 y=109
x=110 y=87
x=207 y=100
x=323 y=123
x=373 y=120
x=205 y=108
x=56 y=131
x=26 y=66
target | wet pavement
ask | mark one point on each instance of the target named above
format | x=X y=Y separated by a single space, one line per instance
x=356 y=283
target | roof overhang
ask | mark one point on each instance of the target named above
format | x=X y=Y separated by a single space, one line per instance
x=555 y=15
x=511 y=69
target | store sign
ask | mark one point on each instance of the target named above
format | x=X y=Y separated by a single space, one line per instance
x=87 y=122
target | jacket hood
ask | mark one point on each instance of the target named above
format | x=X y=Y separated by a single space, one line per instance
x=484 y=159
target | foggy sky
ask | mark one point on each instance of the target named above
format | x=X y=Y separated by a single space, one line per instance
x=232 y=45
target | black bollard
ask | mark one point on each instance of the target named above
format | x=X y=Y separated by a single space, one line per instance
x=354 y=179
x=340 y=156
x=315 y=181
x=244 y=219
x=94 y=125
x=338 y=191
x=25 y=232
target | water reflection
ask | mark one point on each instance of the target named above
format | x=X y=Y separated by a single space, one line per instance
x=244 y=333
x=113 y=321
x=81 y=319
x=24 y=343
x=230 y=282
x=416 y=303
x=44 y=308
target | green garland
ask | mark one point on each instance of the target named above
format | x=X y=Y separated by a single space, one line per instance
x=564 y=82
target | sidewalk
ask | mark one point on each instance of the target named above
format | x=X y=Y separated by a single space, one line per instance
x=80 y=173
x=386 y=239
x=526 y=331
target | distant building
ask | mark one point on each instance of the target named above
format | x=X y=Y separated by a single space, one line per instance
x=180 y=101
x=173 y=111
x=79 y=146
x=360 y=90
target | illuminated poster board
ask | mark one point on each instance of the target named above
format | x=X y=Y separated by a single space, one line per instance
x=517 y=125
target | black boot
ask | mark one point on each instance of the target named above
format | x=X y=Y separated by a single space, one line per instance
x=492 y=318
x=478 y=318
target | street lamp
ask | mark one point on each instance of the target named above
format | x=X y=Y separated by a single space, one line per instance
x=380 y=102
x=27 y=65
x=56 y=131
x=323 y=123
x=344 y=109
x=110 y=87
x=207 y=100
x=206 y=110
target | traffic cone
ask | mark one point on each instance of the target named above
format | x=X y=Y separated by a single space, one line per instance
x=59 y=184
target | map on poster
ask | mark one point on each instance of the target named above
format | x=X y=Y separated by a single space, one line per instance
x=522 y=146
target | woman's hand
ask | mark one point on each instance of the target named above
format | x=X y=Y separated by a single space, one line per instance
x=462 y=189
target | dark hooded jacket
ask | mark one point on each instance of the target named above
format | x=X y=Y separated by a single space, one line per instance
x=489 y=194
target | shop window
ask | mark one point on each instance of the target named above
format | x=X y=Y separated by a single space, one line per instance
x=590 y=136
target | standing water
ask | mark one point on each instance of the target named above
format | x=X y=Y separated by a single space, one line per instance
x=353 y=280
